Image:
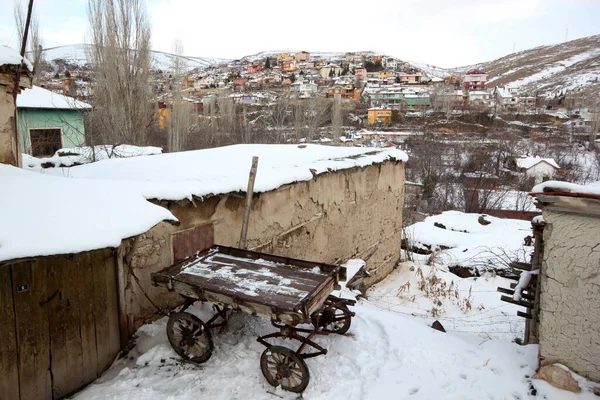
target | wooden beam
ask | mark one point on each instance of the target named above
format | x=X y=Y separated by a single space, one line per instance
x=524 y=315
x=529 y=287
x=512 y=292
x=521 y=265
x=522 y=303
x=249 y=193
x=570 y=204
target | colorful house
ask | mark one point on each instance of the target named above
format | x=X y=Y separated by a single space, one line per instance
x=379 y=115
x=386 y=73
x=254 y=68
x=411 y=77
x=475 y=80
x=289 y=66
x=49 y=121
x=302 y=56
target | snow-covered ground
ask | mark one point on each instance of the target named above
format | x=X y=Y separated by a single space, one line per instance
x=390 y=352
x=469 y=307
x=459 y=239
x=385 y=355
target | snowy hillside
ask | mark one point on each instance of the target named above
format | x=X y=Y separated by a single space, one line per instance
x=549 y=69
x=76 y=55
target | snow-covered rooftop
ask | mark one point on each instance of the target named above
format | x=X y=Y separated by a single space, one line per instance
x=566 y=187
x=529 y=161
x=38 y=97
x=177 y=176
x=45 y=215
x=9 y=56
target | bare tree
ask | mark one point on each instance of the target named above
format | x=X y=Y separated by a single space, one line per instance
x=120 y=56
x=181 y=110
x=34 y=42
x=336 y=115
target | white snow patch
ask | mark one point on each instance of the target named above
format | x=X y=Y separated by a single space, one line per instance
x=590 y=188
x=70 y=156
x=46 y=215
x=38 y=97
x=9 y=56
x=385 y=355
x=468 y=243
x=177 y=176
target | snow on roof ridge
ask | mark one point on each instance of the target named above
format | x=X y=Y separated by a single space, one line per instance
x=592 y=188
x=10 y=56
x=198 y=173
x=529 y=161
x=39 y=97
x=48 y=215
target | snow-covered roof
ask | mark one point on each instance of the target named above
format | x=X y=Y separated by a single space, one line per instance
x=177 y=176
x=38 y=97
x=86 y=154
x=566 y=187
x=9 y=56
x=45 y=215
x=529 y=161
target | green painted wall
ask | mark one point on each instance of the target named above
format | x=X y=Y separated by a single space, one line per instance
x=70 y=122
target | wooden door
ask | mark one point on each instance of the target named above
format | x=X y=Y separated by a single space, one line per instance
x=65 y=319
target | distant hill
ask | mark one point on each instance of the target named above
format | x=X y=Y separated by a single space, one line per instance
x=74 y=55
x=549 y=70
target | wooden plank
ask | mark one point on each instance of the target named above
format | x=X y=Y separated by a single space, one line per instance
x=521 y=265
x=41 y=329
x=9 y=383
x=248 y=206
x=56 y=321
x=276 y=300
x=522 y=303
x=524 y=315
x=524 y=295
x=71 y=292
x=530 y=287
x=100 y=313
x=24 y=321
x=112 y=309
x=188 y=242
x=87 y=317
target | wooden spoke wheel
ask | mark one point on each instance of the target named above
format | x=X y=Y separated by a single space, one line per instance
x=282 y=366
x=189 y=337
x=335 y=319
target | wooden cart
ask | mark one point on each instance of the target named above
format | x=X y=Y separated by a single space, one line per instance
x=288 y=291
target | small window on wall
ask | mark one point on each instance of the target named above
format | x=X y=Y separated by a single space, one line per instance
x=45 y=142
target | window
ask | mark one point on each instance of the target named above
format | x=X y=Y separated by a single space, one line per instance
x=45 y=142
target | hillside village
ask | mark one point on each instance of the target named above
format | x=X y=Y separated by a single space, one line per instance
x=297 y=224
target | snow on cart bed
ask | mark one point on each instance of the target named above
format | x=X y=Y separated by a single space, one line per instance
x=266 y=282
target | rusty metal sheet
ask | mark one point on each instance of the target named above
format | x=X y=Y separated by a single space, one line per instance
x=191 y=241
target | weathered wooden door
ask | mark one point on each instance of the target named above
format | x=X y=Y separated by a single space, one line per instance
x=58 y=324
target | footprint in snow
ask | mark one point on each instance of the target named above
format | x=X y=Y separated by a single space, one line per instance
x=413 y=391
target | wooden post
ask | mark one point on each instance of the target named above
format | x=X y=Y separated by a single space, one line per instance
x=249 y=193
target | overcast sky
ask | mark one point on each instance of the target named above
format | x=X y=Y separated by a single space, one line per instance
x=446 y=33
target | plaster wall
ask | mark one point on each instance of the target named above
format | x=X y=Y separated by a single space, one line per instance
x=8 y=143
x=335 y=216
x=570 y=292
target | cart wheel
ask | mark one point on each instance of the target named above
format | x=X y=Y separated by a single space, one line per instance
x=189 y=337
x=335 y=319
x=282 y=366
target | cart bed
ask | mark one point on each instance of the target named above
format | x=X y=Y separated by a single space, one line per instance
x=256 y=283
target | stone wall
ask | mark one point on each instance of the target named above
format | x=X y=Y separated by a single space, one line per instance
x=354 y=213
x=570 y=292
x=8 y=143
